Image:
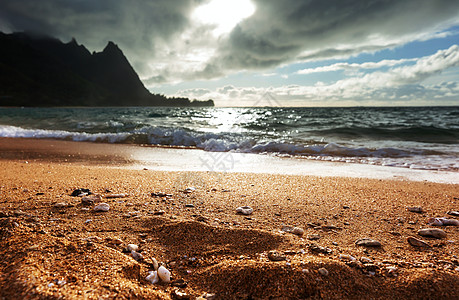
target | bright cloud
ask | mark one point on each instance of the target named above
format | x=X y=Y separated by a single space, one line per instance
x=397 y=84
x=354 y=66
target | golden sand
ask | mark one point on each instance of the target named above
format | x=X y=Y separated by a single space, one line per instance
x=72 y=252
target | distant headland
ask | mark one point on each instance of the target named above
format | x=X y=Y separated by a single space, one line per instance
x=38 y=70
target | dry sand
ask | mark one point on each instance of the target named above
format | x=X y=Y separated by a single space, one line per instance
x=72 y=252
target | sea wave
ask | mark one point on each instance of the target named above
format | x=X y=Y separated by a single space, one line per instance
x=213 y=142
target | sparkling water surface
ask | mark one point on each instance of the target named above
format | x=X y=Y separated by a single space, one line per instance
x=412 y=137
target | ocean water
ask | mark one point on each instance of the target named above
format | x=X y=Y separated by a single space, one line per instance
x=408 y=137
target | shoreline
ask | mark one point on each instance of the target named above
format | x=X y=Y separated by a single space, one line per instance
x=55 y=245
x=197 y=160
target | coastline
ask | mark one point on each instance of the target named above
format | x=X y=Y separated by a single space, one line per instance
x=195 y=160
x=69 y=250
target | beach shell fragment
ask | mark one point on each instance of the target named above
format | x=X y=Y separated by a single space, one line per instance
x=367 y=242
x=153 y=277
x=132 y=247
x=245 y=210
x=443 y=222
x=102 y=207
x=346 y=257
x=432 y=232
x=164 y=274
x=417 y=242
x=453 y=213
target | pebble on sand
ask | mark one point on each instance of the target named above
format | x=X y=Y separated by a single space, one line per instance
x=453 y=213
x=313 y=237
x=102 y=207
x=432 y=232
x=323 y=272
x=91 y=199
x=275 y=256
x=415 y=209
x=294 y=230
x=367 y=242
x=60 y=205
x=116 y=196
x=417 y=242
x=164 y=274
x=136 y=255
x=245 y=210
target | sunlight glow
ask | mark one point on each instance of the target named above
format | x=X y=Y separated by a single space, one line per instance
x=224 y=14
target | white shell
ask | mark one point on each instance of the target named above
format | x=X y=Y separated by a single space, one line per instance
x=164 y=274
x=153 y=277
x=102 y=207
x=132 y=247
x=442 y=222
x=435 y=222
x=245 y=210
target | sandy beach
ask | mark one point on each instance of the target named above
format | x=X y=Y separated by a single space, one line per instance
x=298 y=243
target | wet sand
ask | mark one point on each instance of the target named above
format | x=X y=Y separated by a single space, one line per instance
x=54 y=245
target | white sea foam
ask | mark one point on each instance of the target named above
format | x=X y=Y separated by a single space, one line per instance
x=18 y=132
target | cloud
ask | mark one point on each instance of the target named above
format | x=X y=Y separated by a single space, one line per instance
x=166 y=44
x=138 y=27
x=399 y=84
x=289 y=31
x=355 y=66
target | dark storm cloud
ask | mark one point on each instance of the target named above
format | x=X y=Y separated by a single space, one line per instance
x=289 y=30
x=135 y=25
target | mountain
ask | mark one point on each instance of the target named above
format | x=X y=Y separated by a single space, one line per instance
x=39 y=70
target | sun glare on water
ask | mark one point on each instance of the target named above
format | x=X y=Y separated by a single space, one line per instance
x=224 y=14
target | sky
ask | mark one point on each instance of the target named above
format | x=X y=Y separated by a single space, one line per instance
x=268 y=52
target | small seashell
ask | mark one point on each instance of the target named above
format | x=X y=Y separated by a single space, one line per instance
x=346 y=257
x=323 y=272
x=298 y=231
x=453 y=213
x=432 y=232
x=155 y=264
x=442 y=222
x=102 y=207
x=365 y=260
x=132 y=247
x=245 y=210
x=189 y=190
x=60 y=205
x=434 y=222
x=180 y=295
x=417 y=242
x=153 y=277
x=164 y=274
